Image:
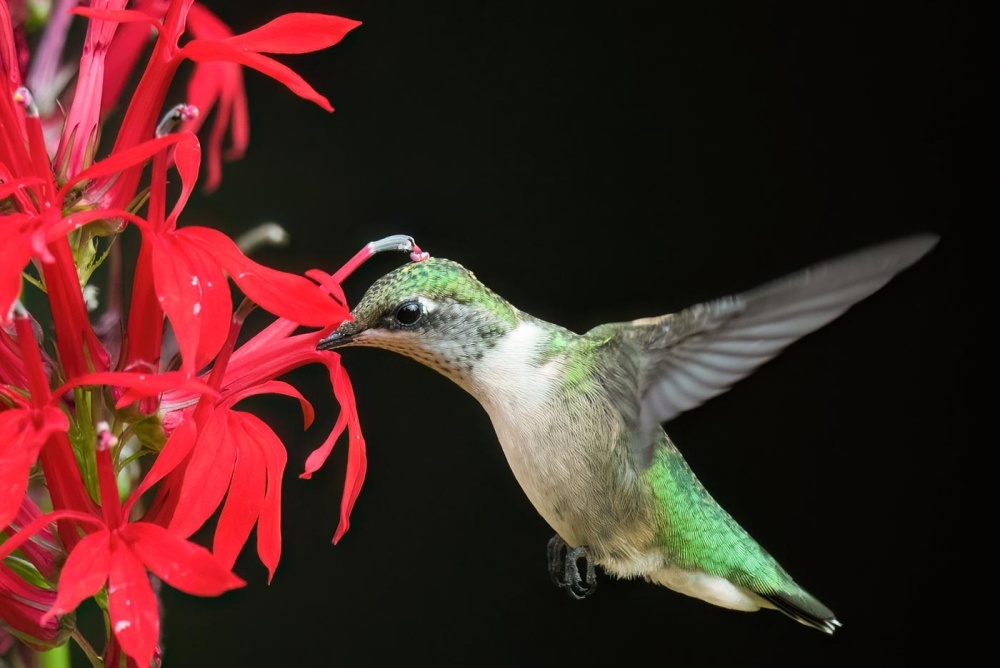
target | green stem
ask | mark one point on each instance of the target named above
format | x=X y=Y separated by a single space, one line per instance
x=95 y=659
x=57 y=657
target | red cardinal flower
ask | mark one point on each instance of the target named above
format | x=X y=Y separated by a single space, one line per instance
x=117 y=555
x=64 y=199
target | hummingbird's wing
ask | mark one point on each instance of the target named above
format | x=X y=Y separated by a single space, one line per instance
x=693 y=355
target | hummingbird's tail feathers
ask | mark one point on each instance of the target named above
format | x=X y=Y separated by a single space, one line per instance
x=805 y=609
x=698 y=353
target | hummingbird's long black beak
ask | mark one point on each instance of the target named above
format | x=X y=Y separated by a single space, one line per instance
x=340 y=337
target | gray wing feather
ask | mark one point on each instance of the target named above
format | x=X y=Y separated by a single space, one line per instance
x=698 y=353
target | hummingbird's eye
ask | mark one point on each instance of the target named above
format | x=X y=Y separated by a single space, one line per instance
x=409 y=313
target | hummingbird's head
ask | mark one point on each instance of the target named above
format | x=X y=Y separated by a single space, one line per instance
x=434 y=311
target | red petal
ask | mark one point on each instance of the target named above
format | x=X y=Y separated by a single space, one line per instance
x=8 y=188
x=8 y=50
x=144 y=331
x=239 y=121
x=15 y=253
x=123 y=159
x=180 y=563
x=203 y=24
x=142 y=384
x=273 y=387
x=286 y=295
x=328 y=284
x=129 y=43
x=80 y=218
x=357 y=461
x=295 y=33
x=203 y=50
x=84 y=573
x=194 y=294
x=270 y=354
x=318 y=457
x=217 y=82
x=25 y=431
x=69 y=314
x=245 y=499
x=187 y=159
x=269 y=522
x=118 y=16
x=81 y=124
x=207 y=476
x=132 y=605
x=38 y=524
x=357 y=464
x=220 y=83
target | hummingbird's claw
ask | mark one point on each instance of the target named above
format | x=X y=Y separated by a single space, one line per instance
x=565 y=571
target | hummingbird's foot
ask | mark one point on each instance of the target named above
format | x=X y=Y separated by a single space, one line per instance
x=564 y=568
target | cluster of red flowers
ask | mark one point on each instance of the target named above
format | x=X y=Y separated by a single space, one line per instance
x=85 y=393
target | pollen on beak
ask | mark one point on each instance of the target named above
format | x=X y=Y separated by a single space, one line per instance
x=340 y=337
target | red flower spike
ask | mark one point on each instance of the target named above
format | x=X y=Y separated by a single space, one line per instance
x=104 y=549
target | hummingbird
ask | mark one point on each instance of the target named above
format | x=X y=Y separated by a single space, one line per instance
x=580 y=416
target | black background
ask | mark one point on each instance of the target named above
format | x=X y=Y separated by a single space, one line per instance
x=606 y=162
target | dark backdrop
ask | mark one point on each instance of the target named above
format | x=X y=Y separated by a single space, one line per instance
x=597 y=163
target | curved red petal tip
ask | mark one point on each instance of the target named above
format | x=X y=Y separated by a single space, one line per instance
x=341 y=530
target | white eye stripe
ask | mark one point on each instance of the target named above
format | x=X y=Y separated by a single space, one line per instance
x=429 y=304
